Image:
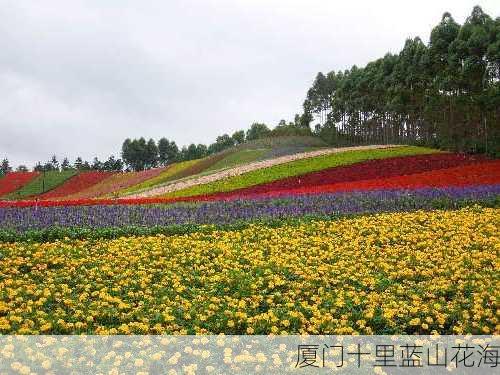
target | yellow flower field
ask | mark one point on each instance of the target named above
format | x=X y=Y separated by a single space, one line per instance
x=420 y=272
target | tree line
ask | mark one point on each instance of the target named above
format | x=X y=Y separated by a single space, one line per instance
x=443 y=94
x=139 y=154
x=111 y=164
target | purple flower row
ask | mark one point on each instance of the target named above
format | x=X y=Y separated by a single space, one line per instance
x=224 y=212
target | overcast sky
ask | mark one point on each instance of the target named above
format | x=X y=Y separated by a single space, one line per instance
x=78 y=77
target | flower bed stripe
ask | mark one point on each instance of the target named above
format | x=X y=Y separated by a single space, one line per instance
x=42 y=183
x=116 y=182
x=169 y=173
x=483 y=173
x=79 y=182
x=226 y=212
x=14 y=181
x=371 y=169
x=486 y=173
x=389 y=270
x=282 y=167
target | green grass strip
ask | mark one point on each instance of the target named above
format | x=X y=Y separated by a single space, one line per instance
x=41 y=184
x=298 y=167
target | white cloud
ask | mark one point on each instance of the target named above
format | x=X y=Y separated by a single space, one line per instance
x=78 y=77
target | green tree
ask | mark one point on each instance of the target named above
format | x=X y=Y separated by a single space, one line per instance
x=22 y=168
x=257 y=131
x=222 y=142
x=112 y=164
x=78 y=165
x=65 y=165
x=238 y=137
x=54 y=163
x=5 y=167
x=168 y=152
x=151 y=155
x=139 y=154
x=38 y=167
x=445 y=94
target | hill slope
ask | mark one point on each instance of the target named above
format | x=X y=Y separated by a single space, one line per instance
x=281 y=167
x=14 y=181
x=44 y=182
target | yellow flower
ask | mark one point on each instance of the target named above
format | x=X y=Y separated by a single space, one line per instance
x=415 y=322
x=391 y=266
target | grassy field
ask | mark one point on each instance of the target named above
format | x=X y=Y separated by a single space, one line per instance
x=296 y=168
x=41 y=184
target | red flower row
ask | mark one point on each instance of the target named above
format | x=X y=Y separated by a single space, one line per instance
x=371 y=169
x=77 y=183
x=15 y=180
x=486 y=173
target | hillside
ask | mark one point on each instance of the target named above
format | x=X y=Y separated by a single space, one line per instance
x=14 y=181
x=130 y=184
x=264 y=168
x=41 y=184
x=72 y=184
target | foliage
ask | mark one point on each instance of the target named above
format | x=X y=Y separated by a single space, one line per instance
x=168 y=152
x=112 y=165
x=193 y=151
x=221 y=143
x=318 y=277
x=290 y=129
x=445 y=94
x=139 y=154
x=5 y=167
x=257 y=131
x=238 y=137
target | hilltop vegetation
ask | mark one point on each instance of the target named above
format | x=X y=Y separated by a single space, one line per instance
x=443 y=94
